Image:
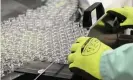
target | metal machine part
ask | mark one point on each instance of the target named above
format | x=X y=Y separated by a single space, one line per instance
x=128 y=31
x=111 y=33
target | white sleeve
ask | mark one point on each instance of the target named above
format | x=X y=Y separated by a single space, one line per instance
x=118 y=63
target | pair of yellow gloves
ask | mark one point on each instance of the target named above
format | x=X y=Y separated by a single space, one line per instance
x=86 y=52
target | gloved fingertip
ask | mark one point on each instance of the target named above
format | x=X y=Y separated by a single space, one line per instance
x=70 y=58
x=80 y=39
x=71 y=65
x=74 y=47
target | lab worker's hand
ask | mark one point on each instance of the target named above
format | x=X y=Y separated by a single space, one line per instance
x=125 y=14
x=84 y=59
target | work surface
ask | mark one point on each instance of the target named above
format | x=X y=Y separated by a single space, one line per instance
x=56 y=70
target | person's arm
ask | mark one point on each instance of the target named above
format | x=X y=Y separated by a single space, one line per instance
x=118 y=64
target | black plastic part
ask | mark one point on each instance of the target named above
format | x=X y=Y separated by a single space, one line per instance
x=12 y=76
x=77 y=77
x=87 y=19
x=120 y=17
x=131 y=32
x=27 y=76
x=82 y=74
x=113 y=26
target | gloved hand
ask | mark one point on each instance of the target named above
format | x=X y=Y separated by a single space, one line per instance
x=84 y=59
x=125 y=14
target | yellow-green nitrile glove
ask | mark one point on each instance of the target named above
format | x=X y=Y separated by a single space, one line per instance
x=125 y=14
x=84 y=59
